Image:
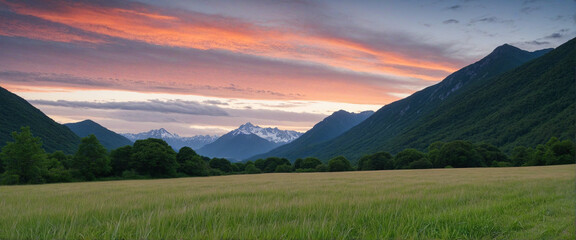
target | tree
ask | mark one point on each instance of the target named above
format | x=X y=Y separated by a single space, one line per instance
x=422 y=163
x=536 y=156
x=377 y=161
x=310 y=163
x=239 y=166
x=284 y=168
x=339 y=164
x=120 y=160
x=322 y=168
x=190 y=163
x=269 y=164
x=520 y=155
x=460 y=154
x=153 y=157
x=297 y=163
x=221 y=164
x=91 y=160
x=434 y=155
x=23 y=158
x=63 y=158
x=403 y=159
x=491 y=155
x=260 y=164
x=55 y=170
x=251 y=169
x=560 y=152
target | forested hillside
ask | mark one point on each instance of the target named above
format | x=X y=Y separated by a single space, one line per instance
x=461 y=106
x=523 y=107
x=15 y=112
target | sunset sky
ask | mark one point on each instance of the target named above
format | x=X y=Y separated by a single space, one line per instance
x=206 y=67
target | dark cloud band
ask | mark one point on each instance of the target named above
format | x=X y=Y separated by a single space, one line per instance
x=172 y=106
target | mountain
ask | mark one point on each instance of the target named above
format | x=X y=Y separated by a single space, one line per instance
x=523 y=107
x=237 y=147
x=15 y=112
x=380 y=131
x=329 y=128
x=155 y=133
x=109 y=139
x=274 y=135
x=247 y=140
x=173 y=139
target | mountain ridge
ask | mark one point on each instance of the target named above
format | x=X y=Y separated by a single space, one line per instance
x=173 y=139
x=514 y=103
x=329 y=128
x=109 y=139
x=376 y=132
x=247 y=140
x=274 y=135
x=16 y=112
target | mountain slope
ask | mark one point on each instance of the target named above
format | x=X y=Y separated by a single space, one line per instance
x=109 y=139
x=173 y=139
x=247 y=140
x=523 y=107
x=378 y=131
x=237 y=147
x=329 y=128
x=15 y=112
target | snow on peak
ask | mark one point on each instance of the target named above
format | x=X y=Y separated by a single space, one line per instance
x=162 y=133
x=271 y=134
x=155 y=133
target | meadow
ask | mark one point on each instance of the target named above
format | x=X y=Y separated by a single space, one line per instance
x=473 y=203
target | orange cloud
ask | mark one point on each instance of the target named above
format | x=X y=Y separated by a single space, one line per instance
x=201 y=31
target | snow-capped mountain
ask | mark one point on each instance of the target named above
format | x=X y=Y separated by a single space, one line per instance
x=173 y=139
x=155 y=133
x=246 y=141
x=274 y=135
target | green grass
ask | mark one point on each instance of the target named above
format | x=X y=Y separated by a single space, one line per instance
x=481 y=203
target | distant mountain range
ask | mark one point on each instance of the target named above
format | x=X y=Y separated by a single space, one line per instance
x=173 y=139
x=246 y=141
x=274 y=135
x=109 y=139
x=15 y=112
x=329 y=128
x=511 y=97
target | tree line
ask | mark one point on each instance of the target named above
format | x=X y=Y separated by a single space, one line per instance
x=24 y=161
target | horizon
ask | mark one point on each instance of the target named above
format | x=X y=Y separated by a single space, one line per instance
x=205 y=69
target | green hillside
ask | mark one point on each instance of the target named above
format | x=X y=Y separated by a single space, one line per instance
x=378 y=132
x=15 y=112
x=525 y=106
x=329 y=128
x=109 y=139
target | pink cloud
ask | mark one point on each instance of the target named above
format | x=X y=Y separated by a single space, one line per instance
x=138 y=47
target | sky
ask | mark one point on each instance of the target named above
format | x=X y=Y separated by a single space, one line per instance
x=208 y=66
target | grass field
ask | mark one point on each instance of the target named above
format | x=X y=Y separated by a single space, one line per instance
x=481 y=203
